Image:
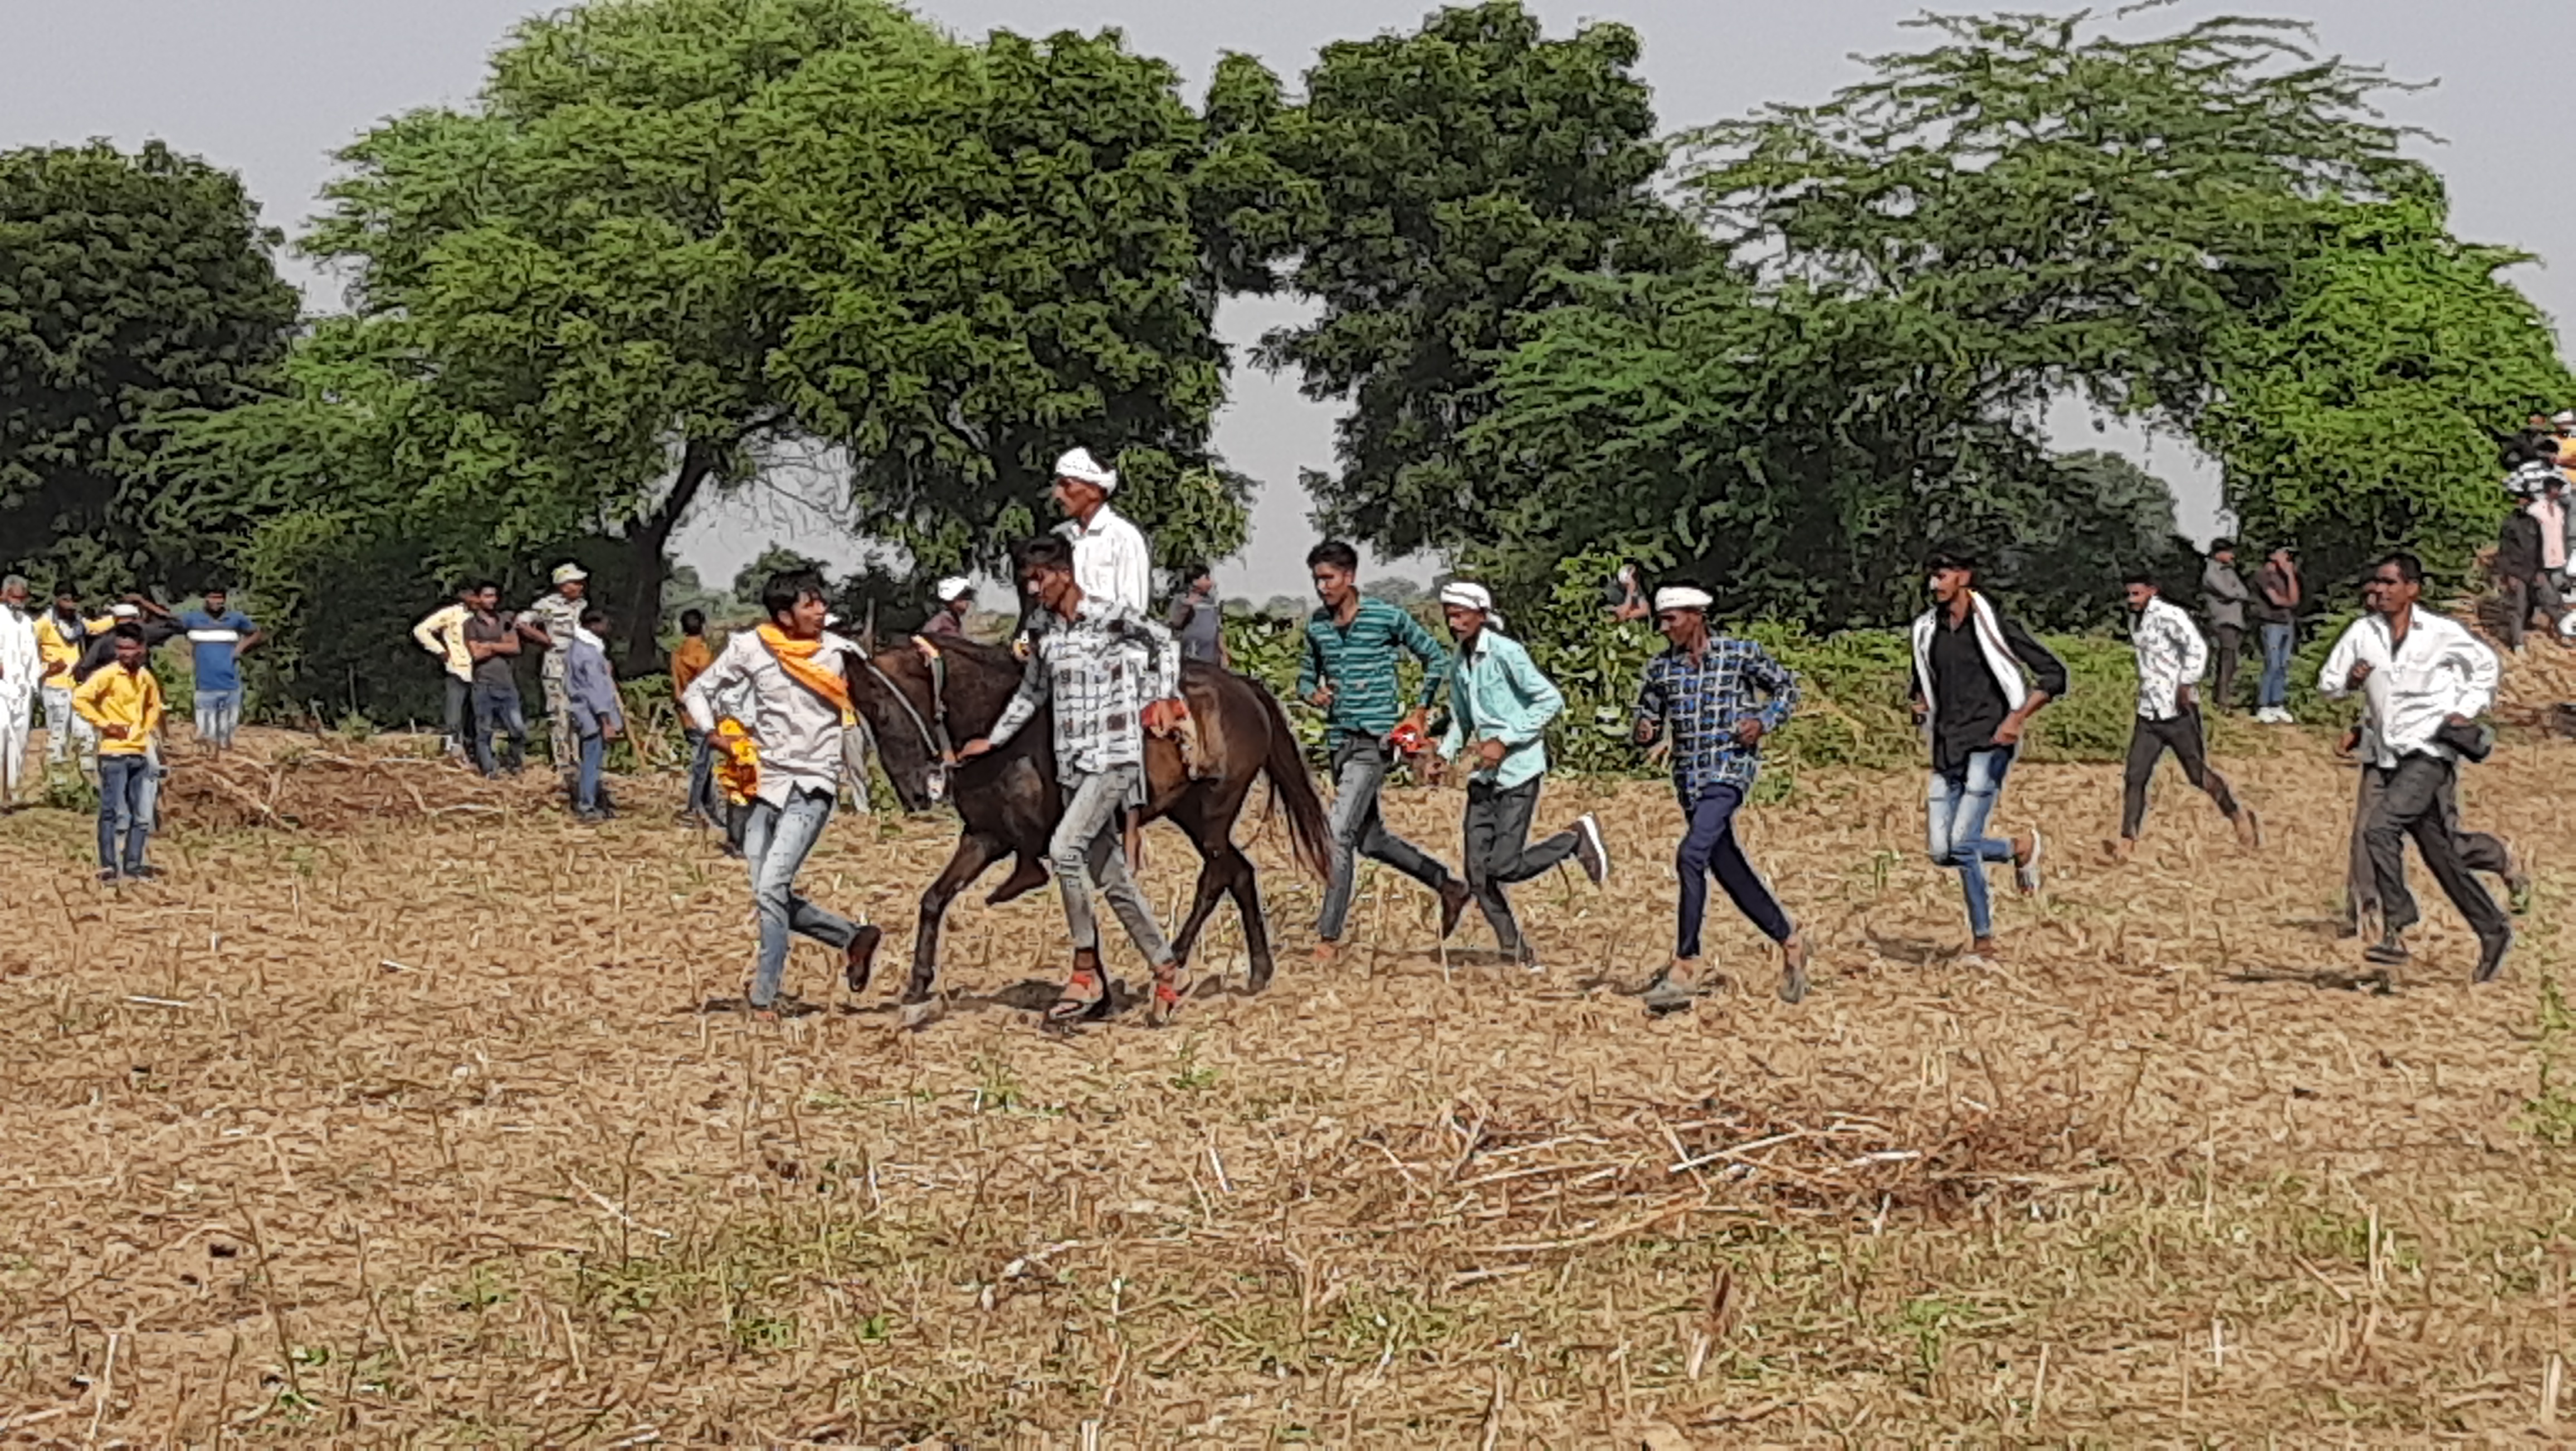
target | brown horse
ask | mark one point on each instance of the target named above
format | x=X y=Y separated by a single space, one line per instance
x=1009 y=802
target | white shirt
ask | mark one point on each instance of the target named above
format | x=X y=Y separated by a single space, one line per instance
x=1111 y=560
x=799 y=731
x=20 y=664
x=2171 y=655
x=2439 y=670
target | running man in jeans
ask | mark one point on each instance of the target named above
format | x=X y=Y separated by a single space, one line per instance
x=1112 y=675
x=218 y=636
x=1349 y=673
x=788 y=680
x=1499 y=710
x=2170 y=659
x=122 y=703
x=1716 y=696
x=1970 y=694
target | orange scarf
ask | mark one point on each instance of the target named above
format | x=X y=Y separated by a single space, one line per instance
x=737 y=762
x=796 y=657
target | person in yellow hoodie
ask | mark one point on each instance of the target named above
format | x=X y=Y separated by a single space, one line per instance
x=123 y=704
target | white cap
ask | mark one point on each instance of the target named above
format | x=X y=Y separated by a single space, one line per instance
x=954 y=588
x=1467 y=596
x=567 y=573
x=1681 y=597
x=123 y=611
x=1078 y=464
x=2564 y=418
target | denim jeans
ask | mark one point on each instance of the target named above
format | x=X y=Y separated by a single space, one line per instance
x=1087 y=850
x=497 y=713
x=218 y=716
x=775 y=842
x=124 y=814
x=459 y=692
x=1960 y=801
x=1710 y=850
x=1358 y=830
x=585 y=790
x=2275 y=689
x=704 y=802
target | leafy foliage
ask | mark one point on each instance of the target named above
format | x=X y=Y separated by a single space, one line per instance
x=131 y=286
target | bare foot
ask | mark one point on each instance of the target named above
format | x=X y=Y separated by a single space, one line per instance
x=2249 y=828
x=2120 y=851
x=1793 y=970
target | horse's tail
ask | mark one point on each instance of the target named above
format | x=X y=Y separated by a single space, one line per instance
x=1309 y=833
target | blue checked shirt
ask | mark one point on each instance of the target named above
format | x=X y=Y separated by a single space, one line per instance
x=1700 y=703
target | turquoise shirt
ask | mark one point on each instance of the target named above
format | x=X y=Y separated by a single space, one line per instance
x=1495 y=693
x=1360 y=662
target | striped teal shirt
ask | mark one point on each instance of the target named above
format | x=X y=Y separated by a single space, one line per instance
x=1360 y=662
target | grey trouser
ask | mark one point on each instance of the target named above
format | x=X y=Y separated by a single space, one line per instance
x=1359 y=830
x=2479 y=851
x=562 y=741
x=1087 y=849
x=2411 y=800
x=1498 y=854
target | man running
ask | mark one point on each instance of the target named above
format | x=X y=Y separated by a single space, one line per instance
x=1715 y=697
x=1349 y=673
x=549 y=622
x=218 y=636
x=2170 y=658
x=2424 y=679
x=1970 y=695
x=1111 y=675
x=21 y=667
x=789 y=677
x=1499 y=710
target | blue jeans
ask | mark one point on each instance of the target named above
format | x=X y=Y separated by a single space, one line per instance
x=2275 y=688
x=585 y=790
x=1710 y=850
x=497 y=713
x=218 y=716
x=1961 y=800
x=704 y=802
x=124 y=812
x=775 y=841
x=1359 y=830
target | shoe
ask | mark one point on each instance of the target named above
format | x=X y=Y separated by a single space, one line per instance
x=1793 y=969
x=2517 y=883
x=589 y=816
x=1454 y=897
x=859 y=959
x=2491 y=956
x=143 y=874
x=1667 y=994
x=2388 y=951
x=107 y=876
x=2026 y=868
x=1589 y=850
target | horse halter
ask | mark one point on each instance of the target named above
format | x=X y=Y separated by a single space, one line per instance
x=934 y=740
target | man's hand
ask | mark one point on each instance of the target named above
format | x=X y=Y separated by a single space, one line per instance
x=612 y=731
x=2360 y=673
x=2009 y=733
x=113 y=732
x=1490 y=753
x=1749 y=731
x=1646 y=732
x=2185 y=698
x=2457 y=719
x=2351 y=741
x=1322 y=699
x=976 y=747
x=1162 y=716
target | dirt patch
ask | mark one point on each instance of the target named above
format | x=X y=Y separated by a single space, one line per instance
x=335 y=787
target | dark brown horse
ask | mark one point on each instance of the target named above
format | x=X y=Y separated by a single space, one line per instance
x=1009 y=802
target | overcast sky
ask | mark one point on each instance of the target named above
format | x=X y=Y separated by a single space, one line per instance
x=272 y=87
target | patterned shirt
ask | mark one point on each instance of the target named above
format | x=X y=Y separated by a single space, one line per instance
x=558 y=617
x=1100 y=670
x=1359 y=660
x=1699 y=703
x=2170 y=656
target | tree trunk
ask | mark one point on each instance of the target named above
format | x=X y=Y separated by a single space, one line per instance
x=648 y=550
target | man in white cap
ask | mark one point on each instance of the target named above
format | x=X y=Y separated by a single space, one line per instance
x=1499 y=710
x=551 y=622
x=20 y=668
x=1111 y=560
x=1715 y=697
x=956 y=598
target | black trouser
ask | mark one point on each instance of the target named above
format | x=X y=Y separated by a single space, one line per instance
x=460 y=696
x=2231 y=651
x=2479 y=851
x=2148 y=742
x=2519 y=596
x=1498 y=853
x=2410 y=804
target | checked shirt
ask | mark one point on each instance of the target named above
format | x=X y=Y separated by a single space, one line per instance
x=1700 y=703
x=1100 y=670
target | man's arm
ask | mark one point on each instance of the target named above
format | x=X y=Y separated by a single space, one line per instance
x=2195 y=650
x=1654 y=698
x=2479 y=665
x=426 y=632
x=698 y=701
x=2335 y=681
x=1037 y=687
x=1541 y=701
x=249 y=642
x=1310 y=666
x=1776 y=681
x=531 y=628
x=153 y=708
x=2049 y=670
x=86 y=703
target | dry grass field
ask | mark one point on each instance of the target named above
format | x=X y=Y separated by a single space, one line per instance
x=411 y=1124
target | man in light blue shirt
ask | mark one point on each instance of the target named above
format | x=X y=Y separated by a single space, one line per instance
x=218 y=636
x=1500 y=707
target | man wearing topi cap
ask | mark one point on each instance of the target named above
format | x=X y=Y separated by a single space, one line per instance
x=551 y=622
x=954 y=596
x=1111 y=561
x=1716 y=696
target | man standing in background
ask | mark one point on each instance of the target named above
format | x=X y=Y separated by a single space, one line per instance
x=954 y=598
x=2276 y=607
x=1197 y=620
x=218 y=636
x=590 y=700
x=21 y=666
x=122 y=703
x=549 y=622
x=688 y=662
x=2223 y=593
x=61 y=634
x=442 y=634
x=493 y=639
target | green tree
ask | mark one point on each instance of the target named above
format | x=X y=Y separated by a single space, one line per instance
x=1448 y=186
x=131 y=287
x=749 y=580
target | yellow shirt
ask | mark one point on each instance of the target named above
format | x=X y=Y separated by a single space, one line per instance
x=443 y=635
x=59 y=654
x=689 y=662
x=117 y=696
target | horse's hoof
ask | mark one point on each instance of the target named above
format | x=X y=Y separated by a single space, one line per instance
x=859 y=961
x=920 y=1015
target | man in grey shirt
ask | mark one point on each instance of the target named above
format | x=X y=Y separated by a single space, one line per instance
x=1197 y=620
x=2223 y=592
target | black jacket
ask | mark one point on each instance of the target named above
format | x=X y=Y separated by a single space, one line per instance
x=2518 y=546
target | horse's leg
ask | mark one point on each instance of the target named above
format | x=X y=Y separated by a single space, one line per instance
x=1212 y=876
x=1029 y=874
x=974 y=853
x=1245 y=885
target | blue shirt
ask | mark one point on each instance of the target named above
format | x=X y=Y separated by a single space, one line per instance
x=1701 y=702
x=590 y=689
x=1359 y=660
x=1497 y=694
x=212 y=640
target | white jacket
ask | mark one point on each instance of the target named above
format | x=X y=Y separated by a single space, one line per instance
x=20 y=665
